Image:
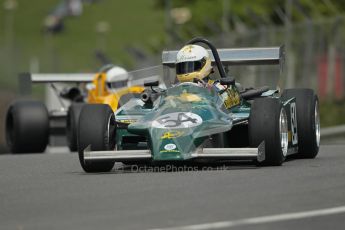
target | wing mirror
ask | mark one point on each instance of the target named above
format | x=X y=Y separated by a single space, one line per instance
x=151 y=83
x=72 y=94
x=227 y=81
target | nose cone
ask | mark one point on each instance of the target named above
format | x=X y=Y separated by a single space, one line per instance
x=183 y=120
x=174 y=144
x=175 y=136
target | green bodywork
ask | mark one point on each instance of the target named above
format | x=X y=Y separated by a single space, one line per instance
x=179 y=121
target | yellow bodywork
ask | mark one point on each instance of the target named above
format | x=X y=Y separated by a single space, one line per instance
x=99 y=94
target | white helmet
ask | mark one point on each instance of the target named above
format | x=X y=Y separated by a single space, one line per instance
x=192 y=61
x=117 y=77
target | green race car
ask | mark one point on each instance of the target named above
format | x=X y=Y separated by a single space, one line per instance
x=189 y=123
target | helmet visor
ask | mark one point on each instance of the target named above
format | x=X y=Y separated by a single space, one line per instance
x=117 y=84
x=189 y=66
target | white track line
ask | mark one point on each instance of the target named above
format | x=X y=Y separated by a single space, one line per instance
x=261 y=220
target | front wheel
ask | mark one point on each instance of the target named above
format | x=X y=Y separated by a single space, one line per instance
x=268 y=123
x=97 y=129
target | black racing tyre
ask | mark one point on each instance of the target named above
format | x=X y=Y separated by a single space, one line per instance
x=97 y=129
x=308 y=121
x=27 y=127
x=72 y=125
x=268 y=122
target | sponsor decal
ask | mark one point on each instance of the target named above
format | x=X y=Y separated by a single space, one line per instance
x=187 y=58
x=127 y=121
x=230 y=97
x=177 y=120
x=172 y=134
x=294 y=123
x=188 y=48
x=189 y=97
x=170 y=147
x=169 y=151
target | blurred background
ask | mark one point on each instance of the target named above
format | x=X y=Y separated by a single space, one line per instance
x=76 y=36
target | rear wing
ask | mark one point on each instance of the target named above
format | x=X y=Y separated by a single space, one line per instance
x=26 y=79
x=57 y=77
x=239 y=56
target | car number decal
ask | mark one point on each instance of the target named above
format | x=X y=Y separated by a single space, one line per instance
x=177 y=120
x=294 y=123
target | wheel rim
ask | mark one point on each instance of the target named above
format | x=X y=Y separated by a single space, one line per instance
x=283 y=130
x=317 y=123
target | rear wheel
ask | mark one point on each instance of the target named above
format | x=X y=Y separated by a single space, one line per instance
x=268 y=123
x=97 y=129
x=27 y=127
x=72 y=125
x=308 y=121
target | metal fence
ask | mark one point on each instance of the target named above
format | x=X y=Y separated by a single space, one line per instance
x=314 y=55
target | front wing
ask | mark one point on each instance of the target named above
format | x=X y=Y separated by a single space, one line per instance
x=202 y=153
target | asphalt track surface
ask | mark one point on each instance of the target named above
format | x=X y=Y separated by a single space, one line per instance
x=50 y=191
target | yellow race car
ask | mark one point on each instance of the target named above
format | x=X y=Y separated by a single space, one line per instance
x=111 y=87
x=30 y=124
